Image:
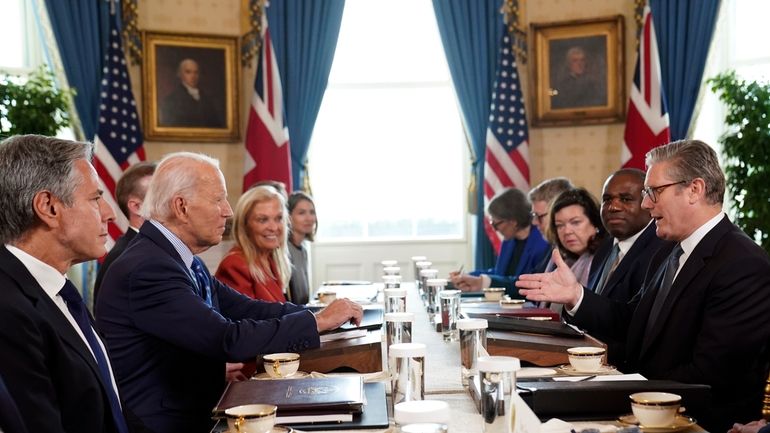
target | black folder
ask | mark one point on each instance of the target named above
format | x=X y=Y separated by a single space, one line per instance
x=375 y=414
x=372 y=319
x=603 y=400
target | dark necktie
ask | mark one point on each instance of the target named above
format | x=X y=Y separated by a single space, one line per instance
x=78 y=310
x=613 y=259
x=672 y=264
x=202 y=280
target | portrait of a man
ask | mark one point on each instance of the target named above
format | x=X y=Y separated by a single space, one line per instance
x=191 y=87
x=578 y=75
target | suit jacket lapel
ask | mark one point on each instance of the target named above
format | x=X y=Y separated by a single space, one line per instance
x=43 y=303
x=623 y=267
x=691 y=268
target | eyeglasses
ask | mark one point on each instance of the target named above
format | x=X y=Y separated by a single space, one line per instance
x=495 y=224
x=540 y=217
x=653 y=191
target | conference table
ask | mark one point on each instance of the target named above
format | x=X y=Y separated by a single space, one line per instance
x=442 y=363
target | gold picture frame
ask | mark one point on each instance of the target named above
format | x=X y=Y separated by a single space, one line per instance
x=190 y=87
x=579 y=74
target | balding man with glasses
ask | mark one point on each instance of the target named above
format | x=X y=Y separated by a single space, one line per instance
x=701 y=316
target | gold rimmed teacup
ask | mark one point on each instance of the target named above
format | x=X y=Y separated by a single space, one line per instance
x=655 y=409
x=280 y=365
x=587 y=359
x=251 y=418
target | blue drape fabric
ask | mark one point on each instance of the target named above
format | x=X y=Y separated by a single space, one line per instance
x=81 y=29
x=470 y=32
x=685 y=29
x=304 y=38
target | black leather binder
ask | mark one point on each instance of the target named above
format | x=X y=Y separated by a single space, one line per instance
x=603 y=400
x=375 y=414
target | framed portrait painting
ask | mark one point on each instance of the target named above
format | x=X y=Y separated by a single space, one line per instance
x=190 y=87
x=579 y=74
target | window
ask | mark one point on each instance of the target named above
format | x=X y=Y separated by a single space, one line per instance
x=388 y=155
x=21 y=50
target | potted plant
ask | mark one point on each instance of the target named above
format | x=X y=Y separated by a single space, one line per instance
x=32 y=104
x=746 y=152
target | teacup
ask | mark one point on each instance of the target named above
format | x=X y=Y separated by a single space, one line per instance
x=251 y=418
x=587 y=359
x=494 y=293
x=655 y=409
x=281 y=364
x=327 y=297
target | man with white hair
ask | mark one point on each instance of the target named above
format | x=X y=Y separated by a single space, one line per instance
x=170 y=326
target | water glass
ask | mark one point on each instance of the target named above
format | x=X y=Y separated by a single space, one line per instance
x=473 y=344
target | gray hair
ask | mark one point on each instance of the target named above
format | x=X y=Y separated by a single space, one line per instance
x=511 y=204
x=548 y=189
x=176 y=175
x=30 y=164
x=691 y=159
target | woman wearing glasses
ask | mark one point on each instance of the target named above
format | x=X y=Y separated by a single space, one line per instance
x=575 y=227
x=523 y=247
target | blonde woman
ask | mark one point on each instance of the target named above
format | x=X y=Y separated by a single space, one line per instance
x=258 y=265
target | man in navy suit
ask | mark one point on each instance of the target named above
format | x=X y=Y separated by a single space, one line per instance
x=53 y=363
x=170 y=327
x=129 y=193
x=522 y=249
x=701 y=316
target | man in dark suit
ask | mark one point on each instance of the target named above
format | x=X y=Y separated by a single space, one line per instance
x=621 y=262
x=53 y=216
x=188 y=105
x=10 y=418
x=129 y=193
x=169 y=325
x=702 y=314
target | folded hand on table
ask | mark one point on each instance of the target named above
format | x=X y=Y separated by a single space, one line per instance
x=752 y=427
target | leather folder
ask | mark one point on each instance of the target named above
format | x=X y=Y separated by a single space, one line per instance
x=603 y=400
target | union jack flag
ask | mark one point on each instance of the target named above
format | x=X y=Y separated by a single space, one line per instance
x=119 y=136
x=507 y=155
x=268 y=156
x=647 y=121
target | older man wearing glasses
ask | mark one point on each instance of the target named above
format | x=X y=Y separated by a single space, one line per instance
x=701 y=316
x=522 y=249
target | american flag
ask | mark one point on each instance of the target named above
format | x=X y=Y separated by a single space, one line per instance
x=507 y=155
x=268 y=156
x=119 y=136
x=647 y=121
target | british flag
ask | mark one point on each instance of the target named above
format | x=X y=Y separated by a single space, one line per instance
x=647 y=123
x=118 y=137
x=507 y=155
x=267 y=139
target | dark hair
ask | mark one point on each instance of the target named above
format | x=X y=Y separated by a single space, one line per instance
x=296 y=197
x=30 y=164
x=128 y=184
x=584 y=199
x=511 y=204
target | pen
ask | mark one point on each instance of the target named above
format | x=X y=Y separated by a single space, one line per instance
x=584 y=379
x=460 y=271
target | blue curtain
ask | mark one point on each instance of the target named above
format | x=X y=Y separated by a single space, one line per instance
x=81 y=29
x=684 y=29
x=305 y=37
x=470 y=32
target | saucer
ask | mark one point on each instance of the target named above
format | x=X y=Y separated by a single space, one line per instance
x=569 y=370
x=265 y=376
x=681 y=422
x=534 y=372
x=275 y=429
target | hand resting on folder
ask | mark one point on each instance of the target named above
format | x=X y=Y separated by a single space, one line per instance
x=337 y=313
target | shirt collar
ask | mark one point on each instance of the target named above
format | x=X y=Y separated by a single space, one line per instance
x=46 y=275
x=184 y=252
x=626 y=244
x=692 y=241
